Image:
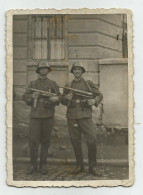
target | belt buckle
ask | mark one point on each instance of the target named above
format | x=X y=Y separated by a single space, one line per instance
x=77 y=101
x=41 y=100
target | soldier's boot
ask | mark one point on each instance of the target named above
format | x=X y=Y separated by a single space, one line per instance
x=43 y=160
x=92 y=158
x=43 y=169
x=32 y=169
x=78 y=169
x=94 y=171
x=34 y=164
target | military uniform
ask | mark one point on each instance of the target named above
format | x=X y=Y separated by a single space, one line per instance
x=41 y=119
x=79 y=119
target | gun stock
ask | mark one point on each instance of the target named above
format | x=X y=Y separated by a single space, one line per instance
x=41 y=92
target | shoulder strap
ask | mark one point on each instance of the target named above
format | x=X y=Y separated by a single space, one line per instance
x=53 y=86
x=88 y=86
x=34 y=84
x=69 y=84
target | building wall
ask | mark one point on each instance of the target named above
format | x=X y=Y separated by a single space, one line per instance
x=114 y=86
x=20 y=34
x=94 y=37
x=89 y=38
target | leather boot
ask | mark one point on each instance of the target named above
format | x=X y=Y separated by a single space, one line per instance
x=43 y=169
x=94 y=171
x=77 y=169
x=32 y=169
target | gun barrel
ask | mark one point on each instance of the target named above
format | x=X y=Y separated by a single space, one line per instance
x=79 y=92
x=44 y=93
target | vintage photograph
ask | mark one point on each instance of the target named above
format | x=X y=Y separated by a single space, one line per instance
x=69 y=98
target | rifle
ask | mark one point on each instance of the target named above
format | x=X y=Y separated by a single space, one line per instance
x=41 y=92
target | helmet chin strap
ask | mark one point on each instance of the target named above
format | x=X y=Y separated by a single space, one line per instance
x=78 y=79
x=42 y=76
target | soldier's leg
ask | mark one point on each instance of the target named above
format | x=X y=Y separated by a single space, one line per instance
x=88 y=129
x=75 y=135
x=34 y=141
x=47 y=125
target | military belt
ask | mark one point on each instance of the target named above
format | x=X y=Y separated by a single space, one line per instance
x=41 y=100
x=77 y=101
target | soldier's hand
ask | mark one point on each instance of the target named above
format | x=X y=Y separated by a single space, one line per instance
x=54 y=99
x=69 y=96
x=91 y=102
x=35 y=95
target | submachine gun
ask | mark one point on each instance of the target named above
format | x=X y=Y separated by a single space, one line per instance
x=86 y=95
x=81 y=93
x=41 y=92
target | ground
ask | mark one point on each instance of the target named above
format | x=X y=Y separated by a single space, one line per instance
x=108 y=147
x=61 y=172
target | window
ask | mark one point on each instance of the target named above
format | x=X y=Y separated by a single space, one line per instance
x=46 y=37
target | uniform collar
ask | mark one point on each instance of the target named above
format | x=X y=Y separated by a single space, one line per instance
x=39 y=77
x=76 y=80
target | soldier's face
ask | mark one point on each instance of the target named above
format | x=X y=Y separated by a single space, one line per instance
x=77 y=71
x=43 y=71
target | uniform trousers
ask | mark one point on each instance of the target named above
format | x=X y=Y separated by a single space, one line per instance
x=40 y=133
x=76 y=128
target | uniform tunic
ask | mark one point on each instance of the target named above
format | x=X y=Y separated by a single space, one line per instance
x=79 y=119
x=41 y=118
x=44 y=108
x=81 y=109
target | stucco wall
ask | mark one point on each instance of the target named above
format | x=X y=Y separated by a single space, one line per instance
x=20 y=33
x=114 y=86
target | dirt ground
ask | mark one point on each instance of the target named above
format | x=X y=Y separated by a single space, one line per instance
x=60 y=172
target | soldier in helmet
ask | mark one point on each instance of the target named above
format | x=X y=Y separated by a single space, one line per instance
x=41 y=116
x=79 y=118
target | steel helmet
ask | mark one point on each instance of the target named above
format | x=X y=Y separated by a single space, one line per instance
x=77 y=64
x=43 y=64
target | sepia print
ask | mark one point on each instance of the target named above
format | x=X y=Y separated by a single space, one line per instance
x=69 y=98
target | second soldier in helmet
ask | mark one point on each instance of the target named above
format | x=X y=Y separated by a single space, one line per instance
x=79 y=118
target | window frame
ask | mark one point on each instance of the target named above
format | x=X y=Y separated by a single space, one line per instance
x=30 y=39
